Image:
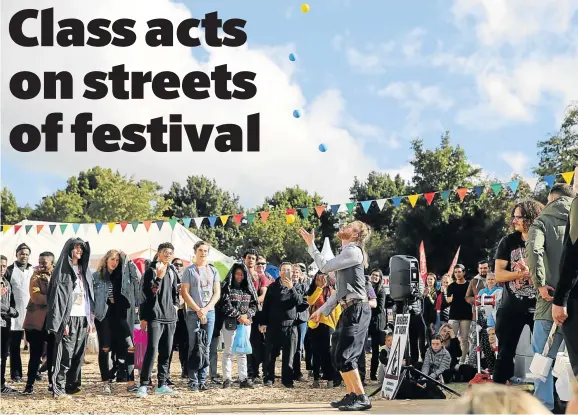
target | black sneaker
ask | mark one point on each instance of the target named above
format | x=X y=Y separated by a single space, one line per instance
x=17 y=379
x=289 y=385
x=193 y=387
x=247 y=384
x=203 y=387
x=268 y=383
x=7 y=390
x=39 y=377
x=227 y=384
x=346 y=400
x=28 y=390
x=358 y=403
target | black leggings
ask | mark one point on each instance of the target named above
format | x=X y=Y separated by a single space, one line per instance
x=376 y=339
x=320 y=339
x=114 y=330
x=36 y=339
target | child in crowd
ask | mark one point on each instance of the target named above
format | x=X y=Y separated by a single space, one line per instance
x=437 y=360
x=384 y=356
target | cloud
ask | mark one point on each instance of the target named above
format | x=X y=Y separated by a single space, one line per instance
x=406 y=172
x=288 y=156
x=516 y=160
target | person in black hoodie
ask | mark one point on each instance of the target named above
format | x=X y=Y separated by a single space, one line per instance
x=238 y=306
x=378 y=320
x=158 y=316
x=70 y=304
x=7 y=313
x=283 y=302
x=301 y=321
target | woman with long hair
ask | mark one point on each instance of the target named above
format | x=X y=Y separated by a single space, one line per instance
x=116 y=282
x=349 y=337
x=378 y=320
x=429 y=305
x=320 y=290
x=442 y=304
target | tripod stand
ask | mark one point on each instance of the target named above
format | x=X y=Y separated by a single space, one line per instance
x=406 y=370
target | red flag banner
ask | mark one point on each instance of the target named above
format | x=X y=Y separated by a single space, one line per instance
x=454 y=262
x=422 y=262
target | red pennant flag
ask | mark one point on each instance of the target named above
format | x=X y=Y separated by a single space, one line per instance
x=238 y=217
x=290 y=211
x=319 y=210
x=147 y=224
x=123 y=225
x=39 y=228
x=454 y=262
x=422 y=262
x=462 y=192
x=429 y=197
x=17 y=228
x=264 y=216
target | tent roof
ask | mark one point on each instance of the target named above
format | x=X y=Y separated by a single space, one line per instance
x=327 y=254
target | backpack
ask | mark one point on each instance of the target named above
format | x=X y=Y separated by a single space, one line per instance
x=198 y=356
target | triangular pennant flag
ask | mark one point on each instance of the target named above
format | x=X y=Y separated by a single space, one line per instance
x=567 y=176
x=397 y=200
x=366 y=204
x=462 y=192
x=319 y=210
x=350 y=206
x=496 y=188
x=413 y=200
x=251 y=217
x=147 y=224
x=550 y=180
x=63 y=227
x=27 y=227
x=380 y=203
x=160 y=224
x=429 y=197
x=342 y=208
x=98 y=227
x=514 y=184
x=335 y=209
x=173 y=222
x=224 y=219
x=123 y=226
x=134 y=225
x=290 y=211
x=6 y=228
x=264 y=215
x=17 y=228
x=305 y=212
x=478 y=190
x=212 y=221
x=111 y=226
x=39 y=228
x=87 y=227
x=52 y=227
x=198 y=222
x=76 y=227
x=238 y=218
x=445 y=195
x=532 y=183
x=187 y=222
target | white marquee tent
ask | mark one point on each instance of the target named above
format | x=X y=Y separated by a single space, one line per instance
x=137 y=243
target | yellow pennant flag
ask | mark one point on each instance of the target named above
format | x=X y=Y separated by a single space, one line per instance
x=111 y=226
x=413 y=200
x=6 y=228
x=568 y=176
x=224 y=219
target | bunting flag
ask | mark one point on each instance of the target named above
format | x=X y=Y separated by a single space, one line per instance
x=422 y=262
x=304 y=212
x=455 y=261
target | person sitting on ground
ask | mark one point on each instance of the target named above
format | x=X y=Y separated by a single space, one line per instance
x=452 y=344
x=436 y=363
x=384 y=356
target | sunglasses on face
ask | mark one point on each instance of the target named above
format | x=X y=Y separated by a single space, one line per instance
x=261 y=264
x=178 y=265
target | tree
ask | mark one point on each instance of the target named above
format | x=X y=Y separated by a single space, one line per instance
x=61 y=206
x=10 y=212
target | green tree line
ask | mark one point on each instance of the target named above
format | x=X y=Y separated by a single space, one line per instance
x=476 y=223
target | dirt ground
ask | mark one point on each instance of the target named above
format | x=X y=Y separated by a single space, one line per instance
x=91 y=400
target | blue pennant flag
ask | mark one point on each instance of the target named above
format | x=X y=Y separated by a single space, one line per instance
x=187 y=222
x=397 y=200
x=335 y=209
x=75 y=226
x=99 y=227
x=550 y=180
x=478 y=190
x=212 y=221
x=366 y=204
x=514 y=185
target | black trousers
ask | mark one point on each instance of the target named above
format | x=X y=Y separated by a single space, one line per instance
x=181 y=341
x=114 y=330
x=509 y=327
x=285 y=340
x=320 y=339
x=159 y=340
x=417 y=337
x=257 y=358
x=348 y=340
x=15 y=357
x=309 y=351
x=36 y=339
x=375 y=335
x=570 y=332
x=69 y=356
x=4 y=347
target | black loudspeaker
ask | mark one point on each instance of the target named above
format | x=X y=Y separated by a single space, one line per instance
x=403 y=277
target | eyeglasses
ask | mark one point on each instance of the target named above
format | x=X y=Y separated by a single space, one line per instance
x=167 y=252
x=178 y=265
x=261 y=263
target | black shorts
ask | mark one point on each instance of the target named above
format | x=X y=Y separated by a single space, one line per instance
x=348 y=340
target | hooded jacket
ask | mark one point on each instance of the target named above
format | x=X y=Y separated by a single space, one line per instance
x=62 y=284
x=379 y=313
x=161 y=295
x=37 y=308
x=544 y=248
x=282 y=305
x=238 y=300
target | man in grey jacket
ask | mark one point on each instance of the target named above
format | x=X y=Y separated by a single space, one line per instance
x=544 y=248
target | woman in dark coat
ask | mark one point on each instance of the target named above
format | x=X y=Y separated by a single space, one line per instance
x=378 y=320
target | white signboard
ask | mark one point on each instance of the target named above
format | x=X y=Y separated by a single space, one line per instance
x=396 y=356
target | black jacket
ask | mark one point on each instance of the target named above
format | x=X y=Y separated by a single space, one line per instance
x=7 y=302
x=568 y=283
x=379 y=313
x=161 y=295
x=62 y=284
x=282 y=306
x=10 y=270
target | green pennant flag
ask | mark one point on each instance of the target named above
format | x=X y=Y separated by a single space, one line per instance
x=305 y=212
x=173 y=222
x=28 y=227
x=63 y=227
x=350 y=206
x=135 y=225
x=250 y=218
x=445 y=195
x=496 y=188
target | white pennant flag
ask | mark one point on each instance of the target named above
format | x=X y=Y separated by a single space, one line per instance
x=86 y=227
x=380 y=203
x=198 y=222
x=342 y=208
x=532 y=182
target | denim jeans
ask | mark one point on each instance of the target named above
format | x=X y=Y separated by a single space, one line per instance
x=193 y=324
x=544 y=391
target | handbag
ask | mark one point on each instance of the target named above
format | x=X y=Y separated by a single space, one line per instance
x=92 y=344
x=242 y=341
x=230 y=323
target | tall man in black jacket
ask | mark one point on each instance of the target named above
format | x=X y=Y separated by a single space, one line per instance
x=281 y=308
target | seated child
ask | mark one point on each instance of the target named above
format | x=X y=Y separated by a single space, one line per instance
x=384 y=356
x=437 y=361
